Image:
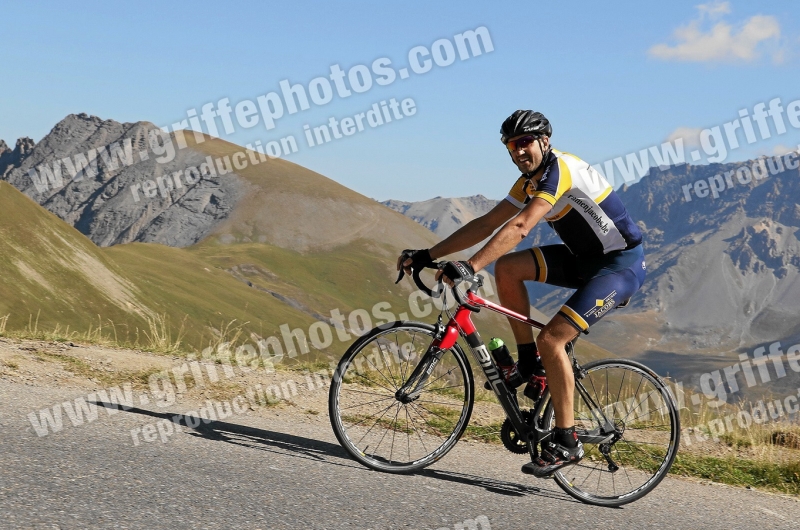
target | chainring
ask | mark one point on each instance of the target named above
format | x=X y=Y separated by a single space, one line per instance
x=511 y=440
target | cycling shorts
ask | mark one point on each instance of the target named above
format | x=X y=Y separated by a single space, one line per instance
x=602 y=282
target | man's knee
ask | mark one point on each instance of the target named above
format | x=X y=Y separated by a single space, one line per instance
x=555 y=335
x=503 y=269
x=548 y=339
x=514 y=267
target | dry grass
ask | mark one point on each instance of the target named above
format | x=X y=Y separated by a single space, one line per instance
x=223 y=391
x=10 y=364
x=763 y=455
x=107 y=377
x=157 y=338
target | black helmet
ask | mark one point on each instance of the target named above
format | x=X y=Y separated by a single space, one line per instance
x=525 y=122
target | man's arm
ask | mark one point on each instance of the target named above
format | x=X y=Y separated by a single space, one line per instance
x=475 y=231
x=511 y=234
x=468 y=235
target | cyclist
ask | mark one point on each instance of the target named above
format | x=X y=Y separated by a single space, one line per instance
x=601 y=257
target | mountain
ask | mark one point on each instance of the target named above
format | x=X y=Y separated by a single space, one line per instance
x=98 y=201
x=263 y=250
x=97 y=169
x=723 y=272
x=443 y=216
x=52 y=275
x=10 y=158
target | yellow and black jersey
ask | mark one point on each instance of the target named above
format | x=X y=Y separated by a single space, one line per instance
x=586 y=212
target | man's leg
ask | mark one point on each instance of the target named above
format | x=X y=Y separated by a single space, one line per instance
x=552 y=344
x=511 y=271
x=563 y=448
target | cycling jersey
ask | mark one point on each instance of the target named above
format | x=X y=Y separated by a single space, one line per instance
x=587 y=214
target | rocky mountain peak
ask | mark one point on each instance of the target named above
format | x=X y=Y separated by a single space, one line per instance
x=23 y=148
x=93 y=190
x=766 y=245
x=12 y=158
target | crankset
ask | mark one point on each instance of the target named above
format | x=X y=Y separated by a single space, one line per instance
x=511 y=440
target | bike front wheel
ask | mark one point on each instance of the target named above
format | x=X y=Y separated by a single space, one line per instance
x=646 y=433
x=379 y=430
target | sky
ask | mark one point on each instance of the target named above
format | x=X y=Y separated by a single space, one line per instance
x=613 y=78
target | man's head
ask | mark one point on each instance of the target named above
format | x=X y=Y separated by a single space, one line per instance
x=526 y=135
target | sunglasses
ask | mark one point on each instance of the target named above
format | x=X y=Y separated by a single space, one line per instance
x=520 y=143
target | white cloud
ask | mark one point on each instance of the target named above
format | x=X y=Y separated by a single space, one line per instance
x=780 y=150
x=715 y=9
x=745 y=42
x=690 y=136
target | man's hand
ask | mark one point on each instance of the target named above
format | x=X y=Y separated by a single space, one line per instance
x=417 y=258
x=455 y=272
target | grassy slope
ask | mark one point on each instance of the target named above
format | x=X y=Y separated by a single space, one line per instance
x=292 y=207
x=48 y=267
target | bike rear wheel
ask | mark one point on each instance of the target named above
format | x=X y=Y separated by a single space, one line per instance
x=647 y=425
x=379 y=430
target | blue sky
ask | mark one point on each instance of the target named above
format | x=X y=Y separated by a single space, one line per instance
x=612 y=77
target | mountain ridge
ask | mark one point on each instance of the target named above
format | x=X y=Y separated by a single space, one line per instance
x=723 y=272
x=105 y=200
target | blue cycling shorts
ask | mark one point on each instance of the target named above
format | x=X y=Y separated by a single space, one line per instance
x=602 y=282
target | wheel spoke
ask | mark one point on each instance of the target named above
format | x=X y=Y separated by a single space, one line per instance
x=429 y=383
x=647 y=395
x=368 y=403
x=376 y=421
x=373 y=382
x=381 y=373
x=365 y=392
x=646 y=434
x=416 y=430
x=385 y=433
x=364 y=407
x=389 y=364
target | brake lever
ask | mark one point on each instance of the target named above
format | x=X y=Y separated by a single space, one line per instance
x=402 y=271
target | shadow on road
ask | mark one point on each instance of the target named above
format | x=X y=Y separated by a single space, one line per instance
x=252 y=437
x=320 y=451
x=496 y=486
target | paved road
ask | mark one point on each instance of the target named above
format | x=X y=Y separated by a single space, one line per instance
x=253 y=471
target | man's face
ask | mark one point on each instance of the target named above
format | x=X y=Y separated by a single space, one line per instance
x=529 y=157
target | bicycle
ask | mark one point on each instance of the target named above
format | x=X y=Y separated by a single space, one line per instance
x=419 y=382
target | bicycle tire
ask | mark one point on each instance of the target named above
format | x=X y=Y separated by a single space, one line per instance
x=652 y=449
x=439 y=422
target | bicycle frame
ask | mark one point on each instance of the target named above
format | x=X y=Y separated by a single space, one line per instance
x=461 y=325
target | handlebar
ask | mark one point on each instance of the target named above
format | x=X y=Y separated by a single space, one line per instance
x=415 y=272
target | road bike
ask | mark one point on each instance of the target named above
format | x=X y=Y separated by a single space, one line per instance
x=403 y=393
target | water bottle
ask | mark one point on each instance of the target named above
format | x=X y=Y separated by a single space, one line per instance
x=537 y=382
x=505 y=362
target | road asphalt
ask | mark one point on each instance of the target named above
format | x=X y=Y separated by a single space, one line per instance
x=265 y=471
